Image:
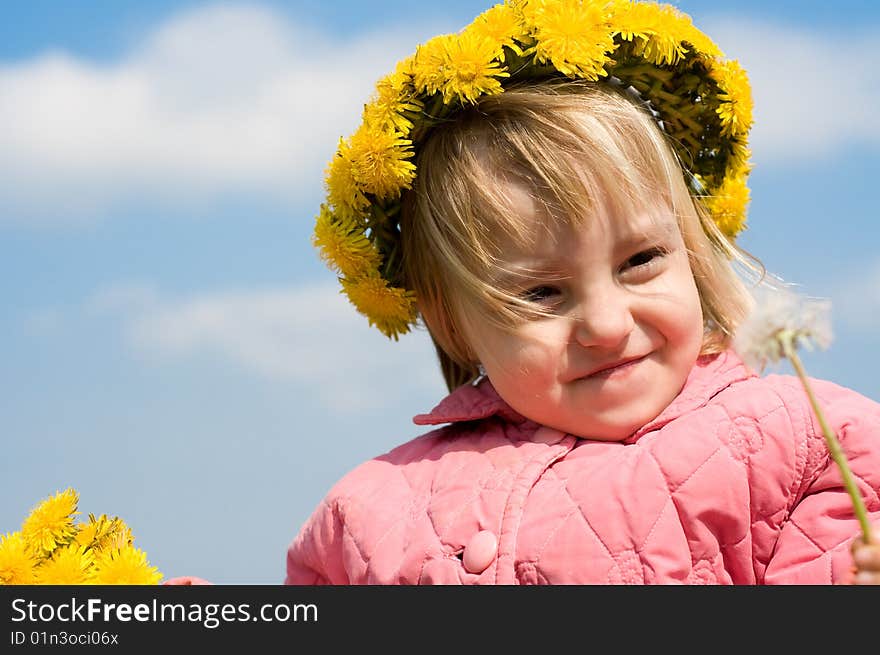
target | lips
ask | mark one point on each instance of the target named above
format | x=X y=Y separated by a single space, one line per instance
x=612 y=366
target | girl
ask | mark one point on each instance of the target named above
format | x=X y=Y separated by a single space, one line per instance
x=554 y=193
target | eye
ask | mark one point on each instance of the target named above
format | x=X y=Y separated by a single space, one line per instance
x=645 y=257
x=541 y=294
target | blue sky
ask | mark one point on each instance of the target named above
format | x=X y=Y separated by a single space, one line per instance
x=171 y=345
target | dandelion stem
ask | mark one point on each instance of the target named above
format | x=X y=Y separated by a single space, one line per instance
x=834 y=447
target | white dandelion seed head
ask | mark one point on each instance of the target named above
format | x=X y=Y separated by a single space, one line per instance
x=777 y=311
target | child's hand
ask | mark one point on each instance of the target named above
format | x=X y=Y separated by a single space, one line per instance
x=866 y=560
x=186 y=580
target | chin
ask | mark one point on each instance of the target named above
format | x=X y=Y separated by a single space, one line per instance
x=617 y=429
x=603 y=432
x=611 y=434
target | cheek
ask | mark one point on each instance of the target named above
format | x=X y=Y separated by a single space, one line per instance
x=686 y=318
x=695 y=314
x=685 y=323
x=534 y=353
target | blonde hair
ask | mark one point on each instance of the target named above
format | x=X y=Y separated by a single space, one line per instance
x=576 y=146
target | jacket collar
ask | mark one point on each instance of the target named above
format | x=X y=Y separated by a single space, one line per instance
x=710 y=374
x=470 y=402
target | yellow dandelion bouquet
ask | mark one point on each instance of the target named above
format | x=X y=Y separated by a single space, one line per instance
x=53 y=549
x=702 y=100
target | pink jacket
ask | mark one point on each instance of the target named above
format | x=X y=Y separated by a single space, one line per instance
x=731 y=484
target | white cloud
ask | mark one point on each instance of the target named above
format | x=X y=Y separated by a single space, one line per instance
x=218 y=100
x=308 y=335
x=814 y=92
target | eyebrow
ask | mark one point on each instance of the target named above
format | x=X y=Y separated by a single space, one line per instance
x=516 y=272
x=656 y=231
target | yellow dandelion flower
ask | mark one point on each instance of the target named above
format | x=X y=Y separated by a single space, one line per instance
x=123 y=566
x=632 y=21
x=526 y=9
x=575 y=36
x=117 y=536
x=472 y=68
x=88 y=533
x=342 y=190
x=462 y=67
x=380 y=161
x=729 y=204
x=103 y=532
x=666 y=32
x=657 y=30
x=393 y=98
x=68 y=565
x=501 y=25
x=430 y=64
x=735 y=110
x=51 y=522
x=343 y=245
x=740 y=160
x=17 y=560
x=390 y=309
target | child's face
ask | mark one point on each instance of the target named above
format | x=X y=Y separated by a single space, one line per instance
x=621 y=294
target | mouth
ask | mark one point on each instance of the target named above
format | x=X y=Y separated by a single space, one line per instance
x=611 y=368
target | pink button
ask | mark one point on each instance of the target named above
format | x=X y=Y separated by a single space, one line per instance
x=480 y=552
x=548 y=436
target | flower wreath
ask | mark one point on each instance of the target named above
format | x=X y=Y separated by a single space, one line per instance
x=702 y=101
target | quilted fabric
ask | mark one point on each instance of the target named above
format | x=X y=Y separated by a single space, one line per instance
x=730 y=484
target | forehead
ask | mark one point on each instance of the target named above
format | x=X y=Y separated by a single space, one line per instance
x=543 y=231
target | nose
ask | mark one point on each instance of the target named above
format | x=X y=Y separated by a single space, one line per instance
x=604 y=318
